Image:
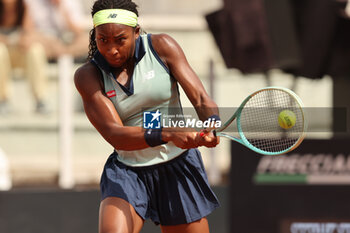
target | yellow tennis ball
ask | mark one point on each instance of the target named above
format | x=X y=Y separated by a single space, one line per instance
x=286 y=119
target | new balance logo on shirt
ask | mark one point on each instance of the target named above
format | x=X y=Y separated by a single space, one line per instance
x=149 y=75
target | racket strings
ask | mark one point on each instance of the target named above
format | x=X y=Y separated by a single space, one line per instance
x=259 y=121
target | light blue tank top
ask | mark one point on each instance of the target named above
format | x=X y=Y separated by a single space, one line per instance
x=151 y=88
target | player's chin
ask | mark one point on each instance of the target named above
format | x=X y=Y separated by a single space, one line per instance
x=116 y=63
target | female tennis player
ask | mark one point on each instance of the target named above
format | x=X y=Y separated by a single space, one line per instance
x=154 y=174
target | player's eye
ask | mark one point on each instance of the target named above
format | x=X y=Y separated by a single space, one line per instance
x=102 y=40
x=121 y=39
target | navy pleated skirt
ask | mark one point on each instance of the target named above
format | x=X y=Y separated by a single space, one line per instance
x=170 y=193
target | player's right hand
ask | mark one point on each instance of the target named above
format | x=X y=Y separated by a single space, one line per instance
x=185 y=138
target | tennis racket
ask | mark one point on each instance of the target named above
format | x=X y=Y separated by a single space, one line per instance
x=257 y=122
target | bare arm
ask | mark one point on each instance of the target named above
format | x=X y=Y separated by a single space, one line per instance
x=102 y=114
x=80 y=41
x=104 y=117
x=27 y=24
x=29 y=33
x=173 y=56
x=61 y=8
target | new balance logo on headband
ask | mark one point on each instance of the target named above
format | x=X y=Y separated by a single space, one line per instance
x=113 y=16
x=120 y=16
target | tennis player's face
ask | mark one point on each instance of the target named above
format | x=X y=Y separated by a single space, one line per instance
x=116 y=43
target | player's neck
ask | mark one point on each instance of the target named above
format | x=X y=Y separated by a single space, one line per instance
x=127 y=67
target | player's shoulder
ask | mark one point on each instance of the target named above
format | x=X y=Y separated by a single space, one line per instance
x=164 y=44
x=162 y=39
x=86 y=73
x=86 y=70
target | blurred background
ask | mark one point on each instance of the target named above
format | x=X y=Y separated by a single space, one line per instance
x=51 y=157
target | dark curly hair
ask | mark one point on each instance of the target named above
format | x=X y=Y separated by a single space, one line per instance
x=108 y=4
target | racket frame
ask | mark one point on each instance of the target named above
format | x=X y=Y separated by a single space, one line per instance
x=243 y=140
